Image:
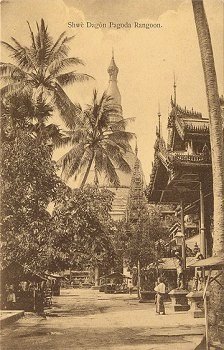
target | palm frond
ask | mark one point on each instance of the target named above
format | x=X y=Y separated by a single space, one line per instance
x=99 y=160
x=22 y=56
x=117 y=157
x=70 y=162
x=122 y=147
x=120 y=135
x=11 y=70
x=44 y=43
x=72 y=77
x=110 y=172
x=54 y=133
x=121 y=124
x=80 y=133
x=62 y=141
x=32 y=36
x=57 y=42
x=58 y=66
x=70 y=112
x=14 y=87
x=60 y=49
x=86 y=158
x=73 y=137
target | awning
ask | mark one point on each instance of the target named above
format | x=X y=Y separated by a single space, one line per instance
x=215 y=262
x=171 y=264
x=15 y=272
x=117 y=275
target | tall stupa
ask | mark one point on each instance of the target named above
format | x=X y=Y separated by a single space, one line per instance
x=121 y=200
x=122 y=193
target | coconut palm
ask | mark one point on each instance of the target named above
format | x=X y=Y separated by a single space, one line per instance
x=98 y=143
x=20 y=112
x=216 y=313
x=42 y=69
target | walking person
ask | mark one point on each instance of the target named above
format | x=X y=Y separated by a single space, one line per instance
x=11 y=298
x=160 y=294
x=130 y=286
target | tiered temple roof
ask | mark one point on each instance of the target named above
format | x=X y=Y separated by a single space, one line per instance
x=179 y=164
x=186 y=123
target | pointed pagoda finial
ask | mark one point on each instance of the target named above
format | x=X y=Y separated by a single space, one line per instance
x=113 y=69
x=136 y=147
x=159 y=121
x=174 y=89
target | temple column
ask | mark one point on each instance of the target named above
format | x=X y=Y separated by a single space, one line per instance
x=202 y=223
x=178 y=295
x=183 y=234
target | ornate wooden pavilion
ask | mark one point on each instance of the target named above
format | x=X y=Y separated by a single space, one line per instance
x=182 y=171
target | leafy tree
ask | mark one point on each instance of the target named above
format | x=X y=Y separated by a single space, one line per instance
x=143 y=236
x=42 y=69
x=142 y=241
x=84 y=228
x=96 y=142
x=29 y=184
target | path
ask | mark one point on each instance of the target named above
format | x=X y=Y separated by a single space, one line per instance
x=86 y=319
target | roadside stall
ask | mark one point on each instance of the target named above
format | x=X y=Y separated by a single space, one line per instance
x=212 y=268
x=116 y=282
x=21 y=288
x=55 y=283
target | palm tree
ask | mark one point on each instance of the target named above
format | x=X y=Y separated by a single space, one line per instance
x=20 y=112
x=96 y=142
x=216 y=313
x=42 y=68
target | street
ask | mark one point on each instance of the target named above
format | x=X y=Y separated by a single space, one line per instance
x=88 y=319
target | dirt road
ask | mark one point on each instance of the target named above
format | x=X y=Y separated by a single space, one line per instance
x=86 y=319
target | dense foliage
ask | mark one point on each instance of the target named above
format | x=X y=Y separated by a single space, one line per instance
x=29 y=184
x=143 y=240
x=84 y=228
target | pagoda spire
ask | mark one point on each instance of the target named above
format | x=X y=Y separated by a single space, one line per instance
x=174 y=90
x=159 y=119
x=158 y=128
x=113 y=91
x=113 y=69
x=136 y=147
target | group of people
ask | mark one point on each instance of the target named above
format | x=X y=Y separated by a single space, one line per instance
x=26 y=295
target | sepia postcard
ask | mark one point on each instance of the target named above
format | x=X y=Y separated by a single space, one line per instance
x=111 y=170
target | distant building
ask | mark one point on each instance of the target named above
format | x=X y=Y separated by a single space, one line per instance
x=121 y=198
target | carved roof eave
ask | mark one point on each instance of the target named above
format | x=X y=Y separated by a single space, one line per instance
x=180 y=128
x=172 y=168
x=184 y=130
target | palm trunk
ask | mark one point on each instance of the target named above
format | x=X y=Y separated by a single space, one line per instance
x=96 y=179
x=87 y=172
x=216 y=312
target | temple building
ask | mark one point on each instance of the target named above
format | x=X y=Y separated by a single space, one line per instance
x=182 y=175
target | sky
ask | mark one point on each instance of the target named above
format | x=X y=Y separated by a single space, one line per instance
x=147 y=58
